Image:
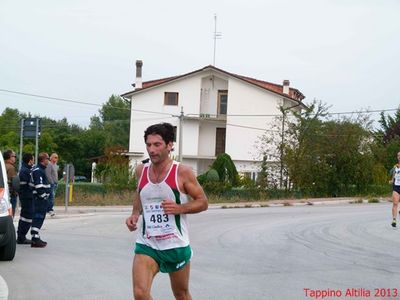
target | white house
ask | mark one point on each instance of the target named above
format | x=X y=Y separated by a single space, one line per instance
x=214 y=111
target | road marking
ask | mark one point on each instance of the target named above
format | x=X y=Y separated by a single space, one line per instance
x=3 y=289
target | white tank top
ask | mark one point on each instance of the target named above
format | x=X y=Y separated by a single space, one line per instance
x=159 y=230
x=396 y=174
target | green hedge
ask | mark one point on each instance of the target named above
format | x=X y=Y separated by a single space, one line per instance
x=85 y=187
x=267 y=194
x=96 y=194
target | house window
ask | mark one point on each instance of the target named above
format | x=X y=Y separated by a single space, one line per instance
x=220 y=141
x=170 y=98
x=222 y=102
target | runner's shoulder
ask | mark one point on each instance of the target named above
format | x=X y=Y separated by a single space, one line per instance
x=138 y=170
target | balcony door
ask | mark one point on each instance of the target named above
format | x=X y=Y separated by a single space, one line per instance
x=220 y=141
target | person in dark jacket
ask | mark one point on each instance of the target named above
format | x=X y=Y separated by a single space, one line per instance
x=41 y=193
x=25 y=198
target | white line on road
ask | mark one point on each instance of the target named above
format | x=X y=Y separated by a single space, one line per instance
x=3 y=289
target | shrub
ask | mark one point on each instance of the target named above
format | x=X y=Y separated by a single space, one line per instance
x=216 y=187
x=212 y=175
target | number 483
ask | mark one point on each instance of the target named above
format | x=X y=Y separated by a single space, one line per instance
x=159 y=218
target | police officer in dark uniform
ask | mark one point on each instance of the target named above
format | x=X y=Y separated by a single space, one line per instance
x=41 y=192
x=26 y=199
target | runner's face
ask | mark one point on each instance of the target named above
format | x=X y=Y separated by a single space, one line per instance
x=157 y=149
x=398 y=157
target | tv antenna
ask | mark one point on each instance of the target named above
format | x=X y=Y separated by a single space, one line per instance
x=217 y=36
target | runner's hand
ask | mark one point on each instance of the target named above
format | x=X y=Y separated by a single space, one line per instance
x=171 y=207
x=131 y=222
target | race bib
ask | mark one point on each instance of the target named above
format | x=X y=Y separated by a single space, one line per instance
x=397 y=179
x=157 y=222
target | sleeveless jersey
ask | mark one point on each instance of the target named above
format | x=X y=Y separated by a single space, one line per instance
x=396 y=175
x=159 y=230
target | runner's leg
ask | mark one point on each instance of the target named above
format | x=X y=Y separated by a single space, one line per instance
x=395 y=197
x=180 y=283
x=143 y=271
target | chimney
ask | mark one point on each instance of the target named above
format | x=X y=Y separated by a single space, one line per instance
x=138 y=82
x=286 y=84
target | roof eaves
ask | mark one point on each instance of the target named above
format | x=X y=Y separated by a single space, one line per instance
x=240 y=77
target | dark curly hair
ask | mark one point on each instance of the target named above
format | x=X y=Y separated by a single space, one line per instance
x=165 y=130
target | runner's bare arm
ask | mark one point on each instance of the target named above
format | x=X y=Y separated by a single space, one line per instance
x=391 y=181
x=188 y=184
x=131 y=221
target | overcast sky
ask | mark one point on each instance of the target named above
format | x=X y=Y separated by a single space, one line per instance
x=343 y=52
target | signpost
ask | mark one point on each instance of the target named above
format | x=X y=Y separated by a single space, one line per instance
x=30 y=129
x=69 y=180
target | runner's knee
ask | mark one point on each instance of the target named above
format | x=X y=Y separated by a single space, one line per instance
x=182 y=294
x=141 y=293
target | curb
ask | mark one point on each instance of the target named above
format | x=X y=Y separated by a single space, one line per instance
x=84 y=211
x=293 y=203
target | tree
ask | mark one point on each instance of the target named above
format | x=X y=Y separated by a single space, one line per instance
x=331 y=156
x=390 y=126
x=115 y=116
x=226 y=169
x=388 y=139
x=262 y=179
x=114 y=169
x=74 y=144
x=326 y=157
x=10 y=129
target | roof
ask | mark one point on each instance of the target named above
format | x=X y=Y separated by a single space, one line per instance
x=294 y=94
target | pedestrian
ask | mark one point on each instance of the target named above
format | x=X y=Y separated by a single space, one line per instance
x=41 y=193
x=395 y=181
x=52 y=176
x=162 y=197
x=26 y=199
x=9 y=159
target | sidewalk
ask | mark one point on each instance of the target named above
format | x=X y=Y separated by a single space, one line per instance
x=76 y=211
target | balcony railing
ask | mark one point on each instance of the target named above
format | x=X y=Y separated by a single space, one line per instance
x=204 y=116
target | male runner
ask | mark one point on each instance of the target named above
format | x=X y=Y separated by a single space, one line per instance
x=162 y=197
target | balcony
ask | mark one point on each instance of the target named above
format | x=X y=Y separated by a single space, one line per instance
x=206 y=117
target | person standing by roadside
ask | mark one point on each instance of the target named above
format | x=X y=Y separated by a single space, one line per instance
x=395 y=181
x=41 y=193
x=52 y=176
x=10 y=159
x=25 y=198
x=162 y=196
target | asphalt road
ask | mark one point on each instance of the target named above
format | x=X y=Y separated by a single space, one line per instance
x=249 y=253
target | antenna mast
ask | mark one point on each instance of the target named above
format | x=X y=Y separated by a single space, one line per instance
x=217 y=36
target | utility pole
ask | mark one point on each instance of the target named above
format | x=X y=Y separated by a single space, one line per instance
x=37 y=141
x=21 y=142
x=180 y=134
x=282 y=141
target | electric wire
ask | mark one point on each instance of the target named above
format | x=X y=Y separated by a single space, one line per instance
x=190 y=114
